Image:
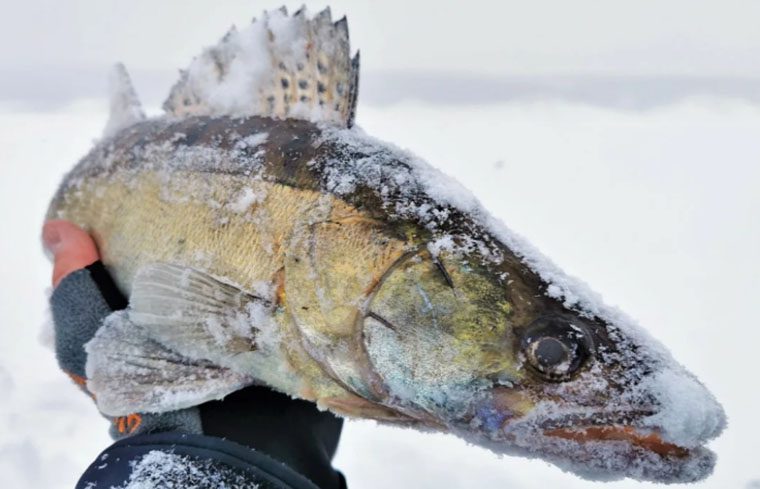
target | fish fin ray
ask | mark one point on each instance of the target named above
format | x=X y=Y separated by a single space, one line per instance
x=290 y=67
x=195 y=314
x=130 y=372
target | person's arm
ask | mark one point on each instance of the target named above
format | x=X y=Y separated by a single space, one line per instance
x=253 y=438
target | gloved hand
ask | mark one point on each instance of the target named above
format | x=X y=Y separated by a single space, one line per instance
x=291 y=431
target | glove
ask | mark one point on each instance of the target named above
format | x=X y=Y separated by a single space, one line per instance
x=292 y=431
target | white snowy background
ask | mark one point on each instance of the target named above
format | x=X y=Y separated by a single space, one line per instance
x=622 y=138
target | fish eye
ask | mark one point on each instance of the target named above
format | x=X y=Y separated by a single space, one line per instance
x=555 y=348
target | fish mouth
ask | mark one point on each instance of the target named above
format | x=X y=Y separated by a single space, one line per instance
x=614 y=451
x=616 y=426
x=607 y=446
x=647 y=440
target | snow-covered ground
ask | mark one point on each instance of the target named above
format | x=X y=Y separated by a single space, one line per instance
x=658 y=209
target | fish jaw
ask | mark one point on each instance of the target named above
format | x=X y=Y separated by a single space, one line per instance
x=651 y=441
x=656 y=430
x=614 y=452
x=600 y=452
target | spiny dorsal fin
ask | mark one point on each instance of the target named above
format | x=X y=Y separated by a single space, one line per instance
x=125 y=106
x=279 y=66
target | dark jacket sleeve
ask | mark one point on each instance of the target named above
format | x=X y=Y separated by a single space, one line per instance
x=182 y=460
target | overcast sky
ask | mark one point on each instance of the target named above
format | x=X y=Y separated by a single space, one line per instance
x=684 y=37
x=52 y=50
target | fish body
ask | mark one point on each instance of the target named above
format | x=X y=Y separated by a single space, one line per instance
x=281 y=245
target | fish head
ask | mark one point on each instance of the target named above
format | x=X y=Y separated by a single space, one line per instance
x=491 y=353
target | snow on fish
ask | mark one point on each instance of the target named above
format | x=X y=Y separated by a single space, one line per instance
x=264 y=239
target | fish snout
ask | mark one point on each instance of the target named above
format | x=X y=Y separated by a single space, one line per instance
x=686 y=413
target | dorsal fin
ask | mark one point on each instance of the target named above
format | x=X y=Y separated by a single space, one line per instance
x=125 y=106
x=279 y=66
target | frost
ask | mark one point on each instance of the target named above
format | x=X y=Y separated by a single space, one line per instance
x=245 y=199
x=217 y=330
x=424 y=372
x=252 y=141
x=445 y=243
x=125 y=107
x=688 y=417
x=132 y=372
x=169 y=470
x=259 y=316
x=249 y=65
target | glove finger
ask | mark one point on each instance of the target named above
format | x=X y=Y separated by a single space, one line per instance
x=79 y=307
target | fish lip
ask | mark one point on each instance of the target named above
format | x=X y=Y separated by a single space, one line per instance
x=596 y=458
x=649 y=440
x=613 y=426
x=625 y=417
x=610 y=446
x=616 y=451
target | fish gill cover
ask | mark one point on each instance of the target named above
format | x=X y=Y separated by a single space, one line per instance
x=631 y=412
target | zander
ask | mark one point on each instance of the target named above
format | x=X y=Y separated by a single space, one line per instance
x=262 y=238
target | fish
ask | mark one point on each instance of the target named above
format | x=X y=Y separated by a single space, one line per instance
x=263 y=238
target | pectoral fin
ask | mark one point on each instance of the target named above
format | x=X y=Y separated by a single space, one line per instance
x=197 y=315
